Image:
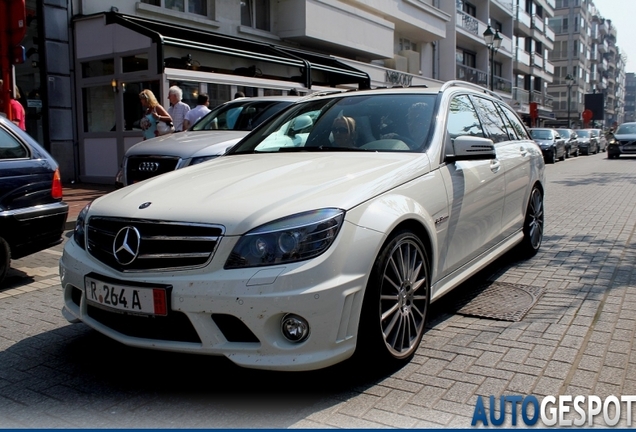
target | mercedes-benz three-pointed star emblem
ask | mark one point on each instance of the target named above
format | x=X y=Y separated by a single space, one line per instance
x=126 y=245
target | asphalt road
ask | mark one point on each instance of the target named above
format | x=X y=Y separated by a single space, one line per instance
x=577 y=339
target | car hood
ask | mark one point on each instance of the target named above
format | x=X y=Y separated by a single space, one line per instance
x=584 y=140
x=544 y=142
x=188 y=144
x=625 y=137
x=242 y=192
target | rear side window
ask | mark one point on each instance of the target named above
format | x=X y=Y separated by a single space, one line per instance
x=10 y=147
x=491 y=120
x=463 y=119
x=516 y=123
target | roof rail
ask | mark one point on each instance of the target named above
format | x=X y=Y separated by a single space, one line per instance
x=460 y=83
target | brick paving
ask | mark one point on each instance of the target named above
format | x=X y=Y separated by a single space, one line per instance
x=577 y=339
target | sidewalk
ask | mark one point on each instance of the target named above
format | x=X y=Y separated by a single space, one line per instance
x=77 y=195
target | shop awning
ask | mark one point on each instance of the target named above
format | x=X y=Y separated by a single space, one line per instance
x=167 y=34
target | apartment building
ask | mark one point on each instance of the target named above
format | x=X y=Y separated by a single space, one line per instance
x=630 y=97
x=587 y=61
x=89 y=60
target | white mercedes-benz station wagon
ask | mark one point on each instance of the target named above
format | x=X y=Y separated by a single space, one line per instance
x=329 y=230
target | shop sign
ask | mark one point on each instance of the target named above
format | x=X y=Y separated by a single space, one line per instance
x=398 y=78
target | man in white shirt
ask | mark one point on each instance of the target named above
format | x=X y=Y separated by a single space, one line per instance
x=178 y=109
x=193 y=116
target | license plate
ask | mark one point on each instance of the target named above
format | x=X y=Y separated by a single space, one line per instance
x=629 y=147
x=125 y=298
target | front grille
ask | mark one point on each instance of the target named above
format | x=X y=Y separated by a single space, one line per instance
x=174 y=327
x=163 y=245
x=140 y=168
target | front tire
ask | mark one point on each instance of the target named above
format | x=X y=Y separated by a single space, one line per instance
x=396 y=301
x=533 y=225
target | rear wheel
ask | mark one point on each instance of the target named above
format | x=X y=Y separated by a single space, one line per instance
x=396 y=301
x=533 y=225
x=5 y=259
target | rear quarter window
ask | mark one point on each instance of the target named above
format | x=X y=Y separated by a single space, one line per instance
x=11 y=147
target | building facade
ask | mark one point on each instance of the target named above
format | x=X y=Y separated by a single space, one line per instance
x=87 y=60
x=587 y=61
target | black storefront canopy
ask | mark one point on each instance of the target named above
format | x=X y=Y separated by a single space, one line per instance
x=332 y=70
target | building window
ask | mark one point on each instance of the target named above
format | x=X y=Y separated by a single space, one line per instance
x=407 y=44
x=470 y=9
x=255 y=13
x=198 y=7
x=465 y=58
x=95 y=68
x=99 y=109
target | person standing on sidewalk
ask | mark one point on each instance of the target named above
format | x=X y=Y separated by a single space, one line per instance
x=193 y=116
x=178 y=109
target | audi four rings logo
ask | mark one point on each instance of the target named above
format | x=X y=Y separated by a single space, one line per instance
x=149 y=166
x=126 y=245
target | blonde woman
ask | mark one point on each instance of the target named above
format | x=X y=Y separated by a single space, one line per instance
x=344 y=133
x=153 y=113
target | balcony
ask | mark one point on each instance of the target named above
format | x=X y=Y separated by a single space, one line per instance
x=548 y=67
x=524 y=20
x=522 y=56
x=603 y=47
x=602 y=65
x=520 y=95
x=502 y=85
x=537 y=61
x=602 y=28
x=537 y=23
x=472 y=75
x=549 y=33
x=468 y=23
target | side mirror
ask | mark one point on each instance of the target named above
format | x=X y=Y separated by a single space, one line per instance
x=468 y=147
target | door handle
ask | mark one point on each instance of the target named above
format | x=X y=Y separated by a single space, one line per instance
x=495 y=165
x=524 y=151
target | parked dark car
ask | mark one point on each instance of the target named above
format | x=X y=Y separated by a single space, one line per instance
x=571 y=142
x=551 y=143
x=623 y=141
x=588 y=141
x=32 y=213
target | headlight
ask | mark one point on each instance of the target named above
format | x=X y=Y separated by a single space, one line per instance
x=198 y=160
x=79 y=235
x=291 y=239
x=611 y=141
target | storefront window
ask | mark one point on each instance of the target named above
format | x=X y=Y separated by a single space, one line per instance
x=135 y=63
x=248 y=91
x=96 y=68
x=219 y=93
x=190 y=91
x=272 y=92
x=99 y=109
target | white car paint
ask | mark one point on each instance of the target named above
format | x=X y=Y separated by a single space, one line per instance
x=465 y=212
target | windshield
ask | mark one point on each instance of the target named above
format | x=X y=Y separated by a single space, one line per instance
x=540 y=134
x=626 y=128
x=564 y=133
x=386 y=122
x=584 y=133
x=241 y=115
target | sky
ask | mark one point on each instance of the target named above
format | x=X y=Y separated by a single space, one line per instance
x=622 y=14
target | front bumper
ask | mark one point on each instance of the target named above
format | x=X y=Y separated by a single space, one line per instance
x=327 y=291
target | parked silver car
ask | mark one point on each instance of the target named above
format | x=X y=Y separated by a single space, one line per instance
x=602 y=140
x=209 y=138
x=571 y=142
x=588 y=141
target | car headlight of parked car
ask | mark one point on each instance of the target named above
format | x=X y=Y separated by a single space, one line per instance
x=79 y=235
x=200 y=159
x=291 y=239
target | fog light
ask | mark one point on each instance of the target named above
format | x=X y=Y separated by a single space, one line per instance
x=294 y=328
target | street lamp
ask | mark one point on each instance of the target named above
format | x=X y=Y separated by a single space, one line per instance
x=493 y=41
x=569 y=80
